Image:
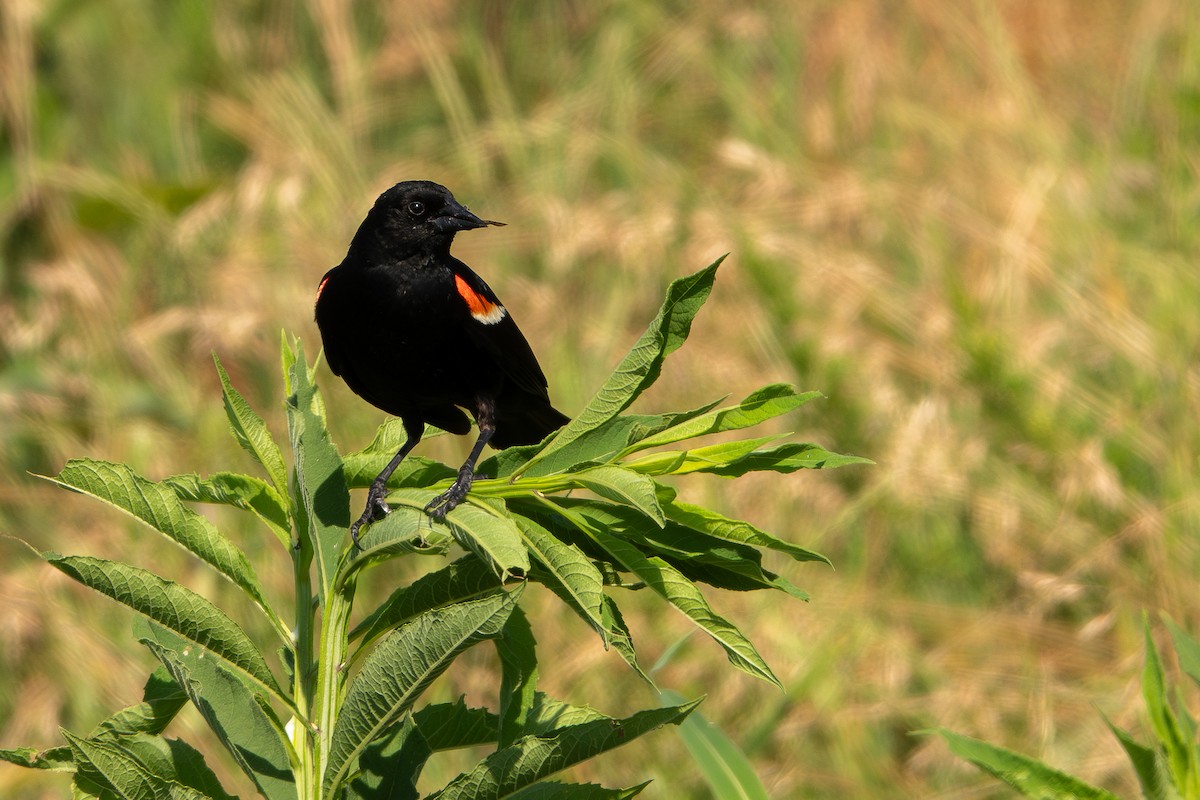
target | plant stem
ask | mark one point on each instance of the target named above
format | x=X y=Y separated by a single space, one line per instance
x=331 y=665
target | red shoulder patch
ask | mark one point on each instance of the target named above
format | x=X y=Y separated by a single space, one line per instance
x=480 y=307
x=321 y=288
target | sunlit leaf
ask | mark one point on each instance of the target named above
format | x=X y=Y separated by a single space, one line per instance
x=406 y=661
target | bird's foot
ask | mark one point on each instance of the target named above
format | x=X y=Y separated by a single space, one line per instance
x=377 y=508
x=448 y=500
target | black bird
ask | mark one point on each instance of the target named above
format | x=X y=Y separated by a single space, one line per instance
x=415 y=332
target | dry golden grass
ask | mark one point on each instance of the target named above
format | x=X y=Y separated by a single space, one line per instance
x=971 y=225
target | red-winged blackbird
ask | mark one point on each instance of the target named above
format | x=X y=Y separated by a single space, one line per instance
x=413 y=331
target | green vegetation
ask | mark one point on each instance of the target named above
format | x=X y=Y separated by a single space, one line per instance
x=971 y=226
x=353 y=727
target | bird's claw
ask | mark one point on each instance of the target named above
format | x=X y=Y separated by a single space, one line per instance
x=448 y=500
x=377 y=508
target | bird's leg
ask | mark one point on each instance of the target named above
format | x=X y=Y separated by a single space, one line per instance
x=445 y=502
x=377 y=507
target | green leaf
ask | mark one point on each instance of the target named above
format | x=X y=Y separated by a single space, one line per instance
x=320 y=479
x=389 y=767
x=1151 y=771
x=127 y=775
x=700 y=557
x=681 y=593
x=598 y=445
x=56 y=759
x=760 y=406
x=414 y=471
x=158 y=506
x=175 y=607
x=733 y=530
x=556 y=790
x=251 y=432
x=1187 y=648
x=786 y=458
x=468 y=578
x=404 y=531
x=709 y=458
x=726 y=770
x=1028 y=776
x=532 y=758
x=162 y=698
x=450 y=726
x=362 y=466
x=625 y=487
x=487 y=531
x=567 y=571
x=549 y=714
x=1178 y=747
x=516 y=647
x=240 y=491
x=641 y=367
x=247 y=727
x=175 y=761
x=406 y=661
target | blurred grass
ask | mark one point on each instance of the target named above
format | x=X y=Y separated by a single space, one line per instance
x=972 y=226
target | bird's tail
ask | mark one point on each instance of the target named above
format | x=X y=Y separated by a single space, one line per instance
x=527 y=424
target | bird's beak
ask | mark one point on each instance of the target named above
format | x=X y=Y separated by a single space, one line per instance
x=458 y=218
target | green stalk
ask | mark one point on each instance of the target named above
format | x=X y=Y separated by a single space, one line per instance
x=331 y=666
x=307 y=785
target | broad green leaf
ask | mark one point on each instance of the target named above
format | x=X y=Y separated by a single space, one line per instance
x=625 y=487
x=785 y=458
x=56 y=759
x=703 y=558
x=129 y=777
x=567 y=571
x=556 y=790
x=240 y=491
x=1027 y=775
x=251 y=432
x=389 y=767
x=681 y=593
x=488 y=532
x=517 y=649
x=450 y=726
x=175 y=761
x=320 y=479
x=362 y=466
x=549 y=714
x=162 y=698
x=621 y=640
x=414 y=471
x=468 y=578
x=404 y=531
x=403 y=664
x=531 y=758
x=733 y=530
x=599 y=445
x=1178 y=747
x=158 y=506
x=1187 y=648
x=709 y=458
x=247 y=728
x=175 y=607
x=726 y=770
x=641 y=367
x=1152 y=772
x=760 y=406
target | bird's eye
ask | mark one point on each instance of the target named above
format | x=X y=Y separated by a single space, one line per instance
x=416 y=208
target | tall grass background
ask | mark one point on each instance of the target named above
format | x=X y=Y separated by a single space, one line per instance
x=974 y=226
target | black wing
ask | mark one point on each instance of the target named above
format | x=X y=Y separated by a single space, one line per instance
x=492 y=328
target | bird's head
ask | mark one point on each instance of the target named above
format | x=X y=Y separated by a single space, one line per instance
x=415 y=217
